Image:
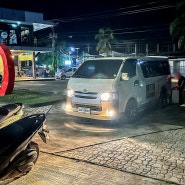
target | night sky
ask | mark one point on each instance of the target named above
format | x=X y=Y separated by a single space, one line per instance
x=81 y=19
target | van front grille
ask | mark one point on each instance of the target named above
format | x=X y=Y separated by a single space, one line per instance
x=89 y=95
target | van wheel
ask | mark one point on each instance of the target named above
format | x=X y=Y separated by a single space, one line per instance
x=115 y=122
x=163 y=100
x=63 y=77
x=131 y=111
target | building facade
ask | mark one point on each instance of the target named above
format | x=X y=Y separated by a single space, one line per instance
x=17 y=31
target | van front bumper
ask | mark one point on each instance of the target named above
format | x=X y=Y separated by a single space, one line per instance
x=105 y=111
x=90 y=116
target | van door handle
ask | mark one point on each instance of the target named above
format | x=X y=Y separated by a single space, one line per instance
x=136 y=83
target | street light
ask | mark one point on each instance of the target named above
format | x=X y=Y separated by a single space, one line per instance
x=77 y=51
x=71 y=50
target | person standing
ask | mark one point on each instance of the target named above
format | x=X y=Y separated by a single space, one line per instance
x=180 y=86
x=35 y=41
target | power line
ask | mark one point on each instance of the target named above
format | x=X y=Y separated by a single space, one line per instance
x=140 y=31
x=118 y=29
x=121 y=33
x=113 y=10
x=122 y=13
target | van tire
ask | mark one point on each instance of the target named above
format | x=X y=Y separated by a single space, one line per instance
x=131 y=111
x=115 y=121
x=163 y=100
x=63 y=77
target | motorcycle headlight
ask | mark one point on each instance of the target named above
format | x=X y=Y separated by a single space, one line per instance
x=70 y=92
x=109 y=96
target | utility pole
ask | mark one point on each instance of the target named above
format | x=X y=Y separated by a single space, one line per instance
x=34 y=66
x=88 y=48
x=77 y=52
x=54 y=37
x=147 y=49
x=135 y=49
x=158 y=48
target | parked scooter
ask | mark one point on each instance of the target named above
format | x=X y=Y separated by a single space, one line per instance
x=18 y=153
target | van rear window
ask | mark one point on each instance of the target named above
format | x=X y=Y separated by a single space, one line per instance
x=154 y=68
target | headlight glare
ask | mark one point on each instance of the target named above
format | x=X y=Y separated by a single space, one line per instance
x=109 y=96
x=70 y=92
x=105 y=96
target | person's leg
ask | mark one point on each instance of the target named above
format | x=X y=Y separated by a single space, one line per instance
x=181 y=97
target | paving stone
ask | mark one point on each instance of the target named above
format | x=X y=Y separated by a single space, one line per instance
x=36 y=110
x=156 y=157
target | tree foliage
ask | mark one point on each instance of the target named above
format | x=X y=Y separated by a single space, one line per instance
x=45 y=58
x=177 y=26
x=104 y=37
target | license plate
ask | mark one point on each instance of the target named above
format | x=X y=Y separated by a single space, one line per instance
x=84 y=110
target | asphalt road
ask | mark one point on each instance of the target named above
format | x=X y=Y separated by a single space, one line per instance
x=123 y=154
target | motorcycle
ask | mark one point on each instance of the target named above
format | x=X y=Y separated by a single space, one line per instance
x=18 y=153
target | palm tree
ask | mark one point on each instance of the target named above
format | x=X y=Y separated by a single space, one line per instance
x=104 y=36
x=177 y=26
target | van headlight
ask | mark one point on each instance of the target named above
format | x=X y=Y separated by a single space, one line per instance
x=109 y=96
x=70 y=92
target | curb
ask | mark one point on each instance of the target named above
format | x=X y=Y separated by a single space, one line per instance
x=45 y=104
x=36 y=105
x=37 y=79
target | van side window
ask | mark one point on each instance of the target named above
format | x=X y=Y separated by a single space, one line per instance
x=164 y=68
x=130 y=67
x=145 y=69
x=154 y=68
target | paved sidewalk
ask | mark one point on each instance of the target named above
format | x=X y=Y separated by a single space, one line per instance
x=158 y=155
x=56 y=170
x=152 y=159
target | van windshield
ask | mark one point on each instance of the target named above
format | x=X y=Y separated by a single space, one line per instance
x=99 y=69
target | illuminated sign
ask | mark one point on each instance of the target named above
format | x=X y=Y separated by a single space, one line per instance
x=67 y=62
x=25 y=57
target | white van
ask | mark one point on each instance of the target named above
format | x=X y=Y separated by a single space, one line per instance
x=105 y=88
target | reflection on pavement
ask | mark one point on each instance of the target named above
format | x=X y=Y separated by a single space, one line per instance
x=88 y=128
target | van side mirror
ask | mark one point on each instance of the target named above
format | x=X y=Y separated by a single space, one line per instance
x=124 y=76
